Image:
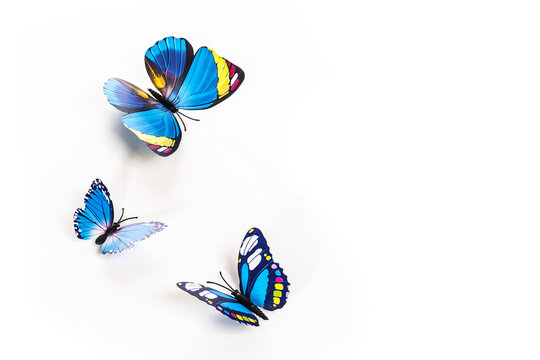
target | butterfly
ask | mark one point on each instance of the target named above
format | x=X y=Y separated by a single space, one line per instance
x=262 y=284
x=184 y=81
x=95 y=222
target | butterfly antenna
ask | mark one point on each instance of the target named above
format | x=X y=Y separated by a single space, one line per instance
x=189 y=117
x=211 y=282
x=220 y=274
x=121 y=216
x=134 y=217
x=185 y=129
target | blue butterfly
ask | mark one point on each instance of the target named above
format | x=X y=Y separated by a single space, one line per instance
x=184 y=81
x=262 y=284
x=95 y=222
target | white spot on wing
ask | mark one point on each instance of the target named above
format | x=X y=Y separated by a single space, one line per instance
x=248 y=244
x=254 y=259
x=207 y=294
x=193 y=286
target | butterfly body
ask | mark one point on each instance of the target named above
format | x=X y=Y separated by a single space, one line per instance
x=244 y=300
x=166 y=103
x=185 y=81
x=95 y=222
x=110 y=230
x=262 y=284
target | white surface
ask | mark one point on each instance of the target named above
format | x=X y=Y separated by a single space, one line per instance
x=388 y=150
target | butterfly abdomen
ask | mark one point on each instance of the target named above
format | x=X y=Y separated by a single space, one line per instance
x=168 y=105
x=103 y=237
x=244 y=300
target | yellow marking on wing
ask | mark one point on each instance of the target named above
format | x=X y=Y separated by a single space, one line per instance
x=151 y=139
x=142 y=94
x=277 y=293
x=277 y=300
x=250 y=231
x=223 y=83
x=157 y=79
x=279 y=286
x=137 y=90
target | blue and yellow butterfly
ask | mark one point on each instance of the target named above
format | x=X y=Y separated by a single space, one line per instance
x=262 y=284
x=184 y=81
x=96 y=222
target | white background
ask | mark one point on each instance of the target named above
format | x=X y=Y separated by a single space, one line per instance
x=388 y=150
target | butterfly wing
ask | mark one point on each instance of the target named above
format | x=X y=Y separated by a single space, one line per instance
x=167 y=63
x=127 y=97
x=153 y=124
x=98 y=212
x=157 y=128
x=261 y=279
x=225 y=304
x=210 y=80
x=126 y=237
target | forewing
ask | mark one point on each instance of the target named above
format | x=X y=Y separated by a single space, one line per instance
x=127 y=97
x=210 y=80
x=157 y=128
x=98 y=212
x=261 y=279
x=126 y=237
x=167 y=63
x=225 y=304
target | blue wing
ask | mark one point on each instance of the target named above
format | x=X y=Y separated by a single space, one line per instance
x=127 y=97
x=126 y=237
x=155 y=125
x=98 y=212
x=210 y=80
x=261 y=279
x=157 y=128
x=223 y=303
x=167 y=63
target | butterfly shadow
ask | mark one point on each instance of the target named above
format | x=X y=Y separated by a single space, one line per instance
x=225 y=323
x=128 y=266
x=135 y=145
